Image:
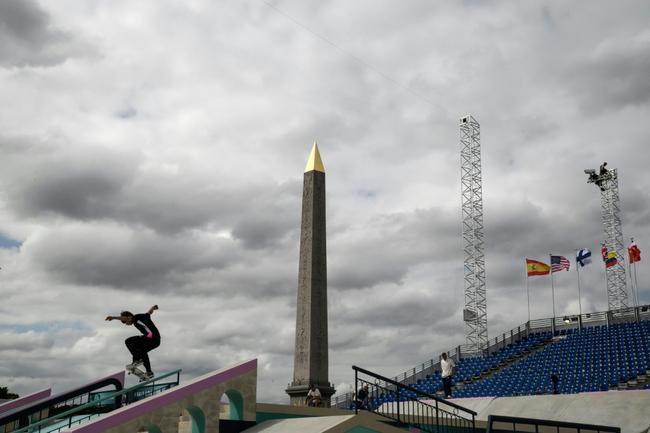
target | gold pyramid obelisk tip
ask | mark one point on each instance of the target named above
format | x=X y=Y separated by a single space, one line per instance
x=315 y=163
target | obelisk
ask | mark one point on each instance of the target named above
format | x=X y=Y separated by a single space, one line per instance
x=310 y=355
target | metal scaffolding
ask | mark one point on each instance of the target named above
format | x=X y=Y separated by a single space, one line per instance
x=475 y=311
x=610 y=211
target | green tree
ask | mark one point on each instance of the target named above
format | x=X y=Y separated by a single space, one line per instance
x=6 y=395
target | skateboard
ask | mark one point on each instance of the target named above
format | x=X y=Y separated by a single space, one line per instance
x=142 y=376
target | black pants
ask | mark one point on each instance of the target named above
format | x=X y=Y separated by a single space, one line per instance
x=446 y=383
x=139 y=345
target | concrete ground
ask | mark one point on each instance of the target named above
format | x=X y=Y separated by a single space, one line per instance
x=629 y=410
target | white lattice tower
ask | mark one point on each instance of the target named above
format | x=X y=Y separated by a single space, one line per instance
x=610 y=210
x=475 y=311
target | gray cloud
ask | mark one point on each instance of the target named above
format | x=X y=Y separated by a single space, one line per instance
x=614 y=76
x=397 y=311
x=387 y=247
x=28 y=38
x=115 y=256
x=77 y=182
x=161 y=173
x=272 y=215
x=24 y=342
x=90 y=184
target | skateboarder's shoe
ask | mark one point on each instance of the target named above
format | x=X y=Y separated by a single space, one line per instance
x=149 y=375
x=133 y=366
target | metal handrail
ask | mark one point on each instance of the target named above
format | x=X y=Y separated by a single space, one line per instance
x=549 y=423
x=409 y=388
x=35 y=408
x=407 y=408
x=32 y=427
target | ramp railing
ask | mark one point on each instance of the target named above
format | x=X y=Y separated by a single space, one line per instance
x=46 y=407
x=101 y=404
x=407 y=405
x=505 y=424
x=25 y=400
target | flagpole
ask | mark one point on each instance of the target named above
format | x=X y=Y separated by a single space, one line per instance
x=579 y=294
x=552 y=288
x=605 y=263
x=634 y=281
x=527 y=292
x=629 y=269
x=636 y=285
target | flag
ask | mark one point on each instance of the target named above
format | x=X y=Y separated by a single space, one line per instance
x=603 y=252
x=611 y=259
x=634 y=253
x=558 y=263
x=583 y=257
x=537 y=268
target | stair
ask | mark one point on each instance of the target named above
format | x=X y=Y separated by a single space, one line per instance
x=485 y=374
x=636 y=383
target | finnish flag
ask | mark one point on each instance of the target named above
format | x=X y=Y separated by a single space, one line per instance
x=583 y=257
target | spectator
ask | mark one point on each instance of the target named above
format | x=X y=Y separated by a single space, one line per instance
x=448 y=370
x=362 y=397
x=555 y=380
x=313 y=396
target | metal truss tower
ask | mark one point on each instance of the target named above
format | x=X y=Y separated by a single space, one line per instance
x=610 y=211
x=475 y=311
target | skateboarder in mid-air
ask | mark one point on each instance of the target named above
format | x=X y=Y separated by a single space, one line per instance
x=139 y=345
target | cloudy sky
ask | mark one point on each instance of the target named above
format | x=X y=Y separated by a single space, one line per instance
x=153 y=152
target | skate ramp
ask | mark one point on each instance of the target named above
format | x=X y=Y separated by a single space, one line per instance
x=319 y=424
x=200 y=398
x=34 y=409
x=23 y=401
x=364 y=422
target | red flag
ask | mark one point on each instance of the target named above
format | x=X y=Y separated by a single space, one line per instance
x=535 y=267
x=634 y=252
x=603 y=252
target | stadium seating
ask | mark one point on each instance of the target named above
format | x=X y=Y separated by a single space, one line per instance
x=467 y=369
x=470 y=368
x=596 y=358
x=592 y=359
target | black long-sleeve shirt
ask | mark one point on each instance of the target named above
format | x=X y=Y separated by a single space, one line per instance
x=145 y=325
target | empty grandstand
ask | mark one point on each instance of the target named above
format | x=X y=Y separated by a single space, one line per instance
x=589 y=352
x=591 y=359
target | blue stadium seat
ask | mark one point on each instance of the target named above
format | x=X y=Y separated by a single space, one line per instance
x=586 y=360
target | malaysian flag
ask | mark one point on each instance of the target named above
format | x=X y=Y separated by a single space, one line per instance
x=558 y=263
x=611 y=259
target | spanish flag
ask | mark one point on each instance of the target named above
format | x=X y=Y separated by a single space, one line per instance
x=537 y=268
